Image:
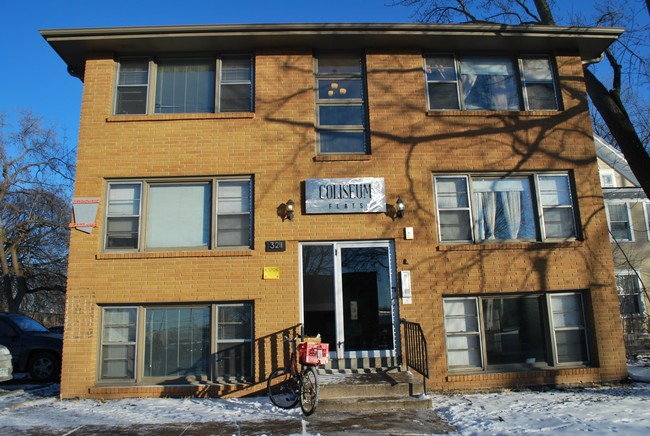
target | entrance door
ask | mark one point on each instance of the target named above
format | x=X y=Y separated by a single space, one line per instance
x=349 y=297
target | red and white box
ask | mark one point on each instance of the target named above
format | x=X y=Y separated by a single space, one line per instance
x=314 y=353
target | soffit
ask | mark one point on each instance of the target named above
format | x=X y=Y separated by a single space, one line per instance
x=75 y=45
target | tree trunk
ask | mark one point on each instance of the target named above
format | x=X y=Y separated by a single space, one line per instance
x=621 y=128
x=545 y=14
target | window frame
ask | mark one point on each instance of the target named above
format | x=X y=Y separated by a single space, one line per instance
x=140 y=344
x=521 y=83
x=538 y=207
x=630 y=226
x=549 y=331
x=152 y=75
x=144 y=213
x=605 y=173
x=349 y=103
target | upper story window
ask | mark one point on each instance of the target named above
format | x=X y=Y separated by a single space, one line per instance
x=473 y=208
x=341 y=106
x=184 y=215
x=619 y=221
x=175 y=86
x=607 y=179
x=490 y=83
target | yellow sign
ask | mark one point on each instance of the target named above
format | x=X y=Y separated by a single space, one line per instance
x=271 y=272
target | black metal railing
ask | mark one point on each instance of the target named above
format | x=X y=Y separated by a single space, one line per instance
x=415 y=345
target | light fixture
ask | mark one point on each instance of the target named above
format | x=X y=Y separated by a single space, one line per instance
x=290 y=205
x=400 y=207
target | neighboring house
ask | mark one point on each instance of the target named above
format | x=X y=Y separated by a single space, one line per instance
x=628 y=216
x=234 y=181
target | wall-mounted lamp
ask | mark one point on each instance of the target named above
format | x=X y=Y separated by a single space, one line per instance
x=400 y=207
x=289 y=210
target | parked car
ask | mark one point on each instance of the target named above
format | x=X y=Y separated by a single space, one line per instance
x=34 y=349
x=6 y=367
x=56 y=329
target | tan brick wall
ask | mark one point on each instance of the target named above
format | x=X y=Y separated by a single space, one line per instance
x=276 y=145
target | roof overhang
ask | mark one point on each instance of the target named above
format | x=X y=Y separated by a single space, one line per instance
x=75 y=45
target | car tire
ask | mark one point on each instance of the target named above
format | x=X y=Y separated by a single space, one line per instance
x=43 y=367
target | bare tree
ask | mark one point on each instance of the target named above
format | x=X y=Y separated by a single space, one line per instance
x=608 y=102
x=37 y=174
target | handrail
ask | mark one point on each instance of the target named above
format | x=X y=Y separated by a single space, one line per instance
x=417 y=355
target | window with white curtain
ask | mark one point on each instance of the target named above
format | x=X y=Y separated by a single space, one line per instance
x=192 y=85
x=189 y=214
x=476 y=208
x=490 y=83
x=515 y=331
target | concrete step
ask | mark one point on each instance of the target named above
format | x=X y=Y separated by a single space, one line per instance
x=390 y=390
x=374 y=404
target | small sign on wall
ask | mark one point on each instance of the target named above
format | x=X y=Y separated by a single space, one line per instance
x=271 y=273
x=405 y=277
x=84 y=213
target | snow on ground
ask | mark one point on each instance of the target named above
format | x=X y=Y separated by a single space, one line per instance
x=618 y=409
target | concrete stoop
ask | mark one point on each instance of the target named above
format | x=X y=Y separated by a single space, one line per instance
x=377 y=391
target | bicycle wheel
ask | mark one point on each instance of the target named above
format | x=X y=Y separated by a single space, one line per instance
x=282 y=389
x=309 y=390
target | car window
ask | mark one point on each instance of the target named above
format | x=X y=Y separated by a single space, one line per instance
x=29 y=325
x=6 y=330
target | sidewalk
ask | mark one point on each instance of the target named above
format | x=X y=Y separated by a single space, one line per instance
x=328 y=423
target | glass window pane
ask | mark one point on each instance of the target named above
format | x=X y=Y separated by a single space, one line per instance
x=185 y=86
x=463 y=350
x=235 y=98
x=341 y=116
x=537 y=69
x=339 y=65
x=503 y=208
x=236 y=69
x=131 y=100
x=514 y=331
x=122 y=232
x=489 y=83
x=555 y=190
x=571 y=346
x=629 y=294
x=179 y=215
x=455 y=225
x=342 y=142
x=443 y=96
x=118 y=362
x=118 y=343
x=559 y=223
x=134 y=72
x=234 y=197
x=124 y=199
x=233 y=230
x=177 y=342
x=541 y=96
x=234 y=322
x=340 y=89
x=451 y=192
x=440 y=68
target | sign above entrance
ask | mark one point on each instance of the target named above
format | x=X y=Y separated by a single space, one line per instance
x=353 y=195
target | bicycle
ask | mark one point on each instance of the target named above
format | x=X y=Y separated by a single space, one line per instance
x=287 y=386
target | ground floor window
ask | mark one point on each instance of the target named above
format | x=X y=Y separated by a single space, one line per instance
x=209 y=341
x=515 y=331
x=630 y=294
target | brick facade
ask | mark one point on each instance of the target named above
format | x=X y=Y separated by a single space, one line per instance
x=276 y=145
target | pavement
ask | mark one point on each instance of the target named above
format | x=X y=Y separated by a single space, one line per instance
x=400 y=422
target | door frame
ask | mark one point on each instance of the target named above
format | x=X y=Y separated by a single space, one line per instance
x=339 y=351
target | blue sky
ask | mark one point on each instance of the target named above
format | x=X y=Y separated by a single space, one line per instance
x=33 y=77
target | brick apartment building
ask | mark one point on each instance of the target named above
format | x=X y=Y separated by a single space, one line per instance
x=235 y=181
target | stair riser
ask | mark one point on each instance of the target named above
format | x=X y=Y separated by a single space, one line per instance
x=364 y=391
x=363 y=406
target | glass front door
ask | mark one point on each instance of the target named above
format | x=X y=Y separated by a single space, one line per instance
x=349 y=297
